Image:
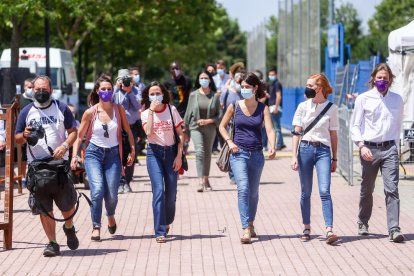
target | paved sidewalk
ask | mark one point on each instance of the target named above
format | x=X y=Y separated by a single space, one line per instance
x=205 y=237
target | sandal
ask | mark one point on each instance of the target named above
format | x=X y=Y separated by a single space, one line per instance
x=160 y=239
x=331 y=237
x=96 y=237
x=306 y=235
x=247 y=236
x=253 y=233
x=167 y=228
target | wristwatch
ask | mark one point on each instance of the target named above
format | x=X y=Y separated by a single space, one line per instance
x=65 y=145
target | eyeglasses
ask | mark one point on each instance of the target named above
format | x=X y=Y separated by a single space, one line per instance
x=105 y=127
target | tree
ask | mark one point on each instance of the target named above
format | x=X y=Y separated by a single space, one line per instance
x=389 y=15
x=271 y=41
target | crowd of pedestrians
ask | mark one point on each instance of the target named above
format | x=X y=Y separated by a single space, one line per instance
x=165 y=117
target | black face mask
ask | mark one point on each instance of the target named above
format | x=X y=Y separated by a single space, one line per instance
x=42 y=96
x=310 y=93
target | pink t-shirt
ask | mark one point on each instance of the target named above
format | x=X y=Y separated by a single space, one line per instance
x=163 y=133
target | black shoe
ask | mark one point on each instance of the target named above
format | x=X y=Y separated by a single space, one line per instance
x=282 y=147
x=112 y=229
x=52 y=249
x=72 y=240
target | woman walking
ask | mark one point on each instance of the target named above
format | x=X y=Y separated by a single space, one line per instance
x=202 y=116
x=246 y=158
x=316 y=149
x=102 y=124
x=163 y=154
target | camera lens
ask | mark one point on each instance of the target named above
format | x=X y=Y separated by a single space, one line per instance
x=126 y=81
x=32 y=139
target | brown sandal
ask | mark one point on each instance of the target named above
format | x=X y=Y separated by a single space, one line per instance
x=160 y=239
x=252 y=231
x=331 y=237
x=306 y=235
x=247 y=236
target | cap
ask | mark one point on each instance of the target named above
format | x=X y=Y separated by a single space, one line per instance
x=122 y=73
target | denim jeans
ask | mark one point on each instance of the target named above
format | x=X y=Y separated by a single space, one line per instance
x=164 y=185
x=247 y=167
x=103 y=167
x=320 y=157
x=278 y=129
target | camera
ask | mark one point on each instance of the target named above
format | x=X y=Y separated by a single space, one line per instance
x=126 y=81
x=38 y=132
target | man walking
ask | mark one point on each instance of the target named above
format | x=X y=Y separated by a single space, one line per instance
x=375 y=128
x=274 y=88
x=43 y=125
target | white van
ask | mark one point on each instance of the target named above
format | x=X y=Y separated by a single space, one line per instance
x=62 y=70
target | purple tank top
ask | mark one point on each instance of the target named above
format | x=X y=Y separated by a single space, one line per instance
x=248 y=129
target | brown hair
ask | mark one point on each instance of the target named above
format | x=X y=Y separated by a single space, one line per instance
x=381 y=67
x=93 y=97
x=237 y=67
x=253 y=80
x=323 y=82
x=145 y=94
x=221 y=62
x=44 y=78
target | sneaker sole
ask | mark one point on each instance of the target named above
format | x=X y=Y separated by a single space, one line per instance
x=50 y=254
x=397 y=239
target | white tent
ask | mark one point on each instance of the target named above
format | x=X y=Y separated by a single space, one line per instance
x=401 y=61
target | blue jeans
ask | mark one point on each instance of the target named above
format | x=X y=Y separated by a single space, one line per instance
x=103 y=167
x=320 y=157
x=164 y=185
x=278 y=128
x=247 y=167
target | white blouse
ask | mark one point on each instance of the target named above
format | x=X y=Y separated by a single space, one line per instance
x=307 y=111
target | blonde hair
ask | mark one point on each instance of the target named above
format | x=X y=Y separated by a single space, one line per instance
x=323 y=82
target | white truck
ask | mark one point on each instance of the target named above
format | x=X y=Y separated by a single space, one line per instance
x=62 y=70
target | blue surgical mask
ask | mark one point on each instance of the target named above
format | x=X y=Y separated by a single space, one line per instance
x=238 y=87
x=136 y=78
x=29 y=93
x=272 y=78
x=247 y=93
x=220 y=72
x=156 y=97
x=204 y=82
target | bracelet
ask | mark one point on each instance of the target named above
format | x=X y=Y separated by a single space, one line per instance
x=334 y=159
x=65 y=145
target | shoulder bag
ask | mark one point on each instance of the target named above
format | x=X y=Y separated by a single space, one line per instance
x=184 y=163
x=223 y=159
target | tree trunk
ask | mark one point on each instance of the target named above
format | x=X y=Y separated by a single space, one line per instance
x=15 y=42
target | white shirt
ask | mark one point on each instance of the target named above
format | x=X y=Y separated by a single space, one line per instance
x=162 y=125
x=377 y=118
x=306 y=113
x=220 y=82
x=98 y=132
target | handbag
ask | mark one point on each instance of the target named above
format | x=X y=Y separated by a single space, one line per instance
x=184 y=163
x=223 y=159
x=126 y=148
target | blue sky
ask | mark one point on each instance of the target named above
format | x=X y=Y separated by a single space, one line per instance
x=250 y=13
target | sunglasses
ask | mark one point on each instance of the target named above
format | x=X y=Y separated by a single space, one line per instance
x=105 y=127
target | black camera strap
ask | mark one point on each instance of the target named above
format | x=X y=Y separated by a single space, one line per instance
x=48 y=148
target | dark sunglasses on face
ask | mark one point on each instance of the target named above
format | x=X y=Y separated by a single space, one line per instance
x=105 y=127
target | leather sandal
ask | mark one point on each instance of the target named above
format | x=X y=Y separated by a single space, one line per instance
x=252 y=231
x=112 y=229
x=331 y=237
x=306 y=235
x=160 y=239
x=96 y=237
x=207 y=186
x=247 y=237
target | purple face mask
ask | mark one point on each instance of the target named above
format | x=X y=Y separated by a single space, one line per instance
x=382 y=85
x=105 y=96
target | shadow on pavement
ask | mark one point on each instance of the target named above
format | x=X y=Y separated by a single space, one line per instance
x=271 y=183
x=373 y=236
x=169 y=237
x=89 y=252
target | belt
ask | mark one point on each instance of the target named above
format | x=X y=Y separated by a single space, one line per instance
x=379 y=145
x=316 y=144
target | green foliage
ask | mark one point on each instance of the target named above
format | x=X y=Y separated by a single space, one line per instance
x=114 y=34
x=271 y=42
x=389 y=15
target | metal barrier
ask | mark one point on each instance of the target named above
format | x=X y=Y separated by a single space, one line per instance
x=7 y=224
x=407 y=151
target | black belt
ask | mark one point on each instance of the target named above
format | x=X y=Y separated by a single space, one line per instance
x=316 y=144
x=379 y=145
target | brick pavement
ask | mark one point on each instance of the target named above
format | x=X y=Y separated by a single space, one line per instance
x=205 y=235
